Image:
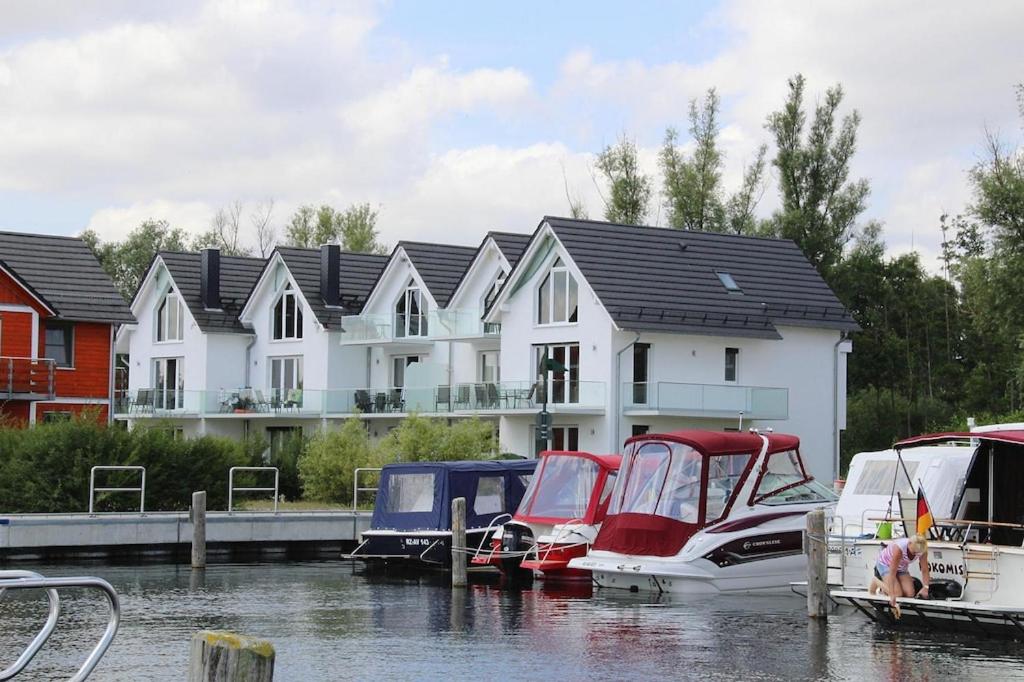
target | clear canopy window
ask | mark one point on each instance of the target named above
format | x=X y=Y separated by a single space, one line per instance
x=785 y=482
x=490 y=495
x=724 y=474
x=876 y=478
x=660 y=479
x=562 y=489
x=410 y=493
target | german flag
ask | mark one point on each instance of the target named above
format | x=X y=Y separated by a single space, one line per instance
x=925 y=521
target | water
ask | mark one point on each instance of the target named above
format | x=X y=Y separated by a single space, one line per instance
x=330 y=624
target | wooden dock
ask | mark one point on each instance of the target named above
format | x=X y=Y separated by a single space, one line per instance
x=34 y=537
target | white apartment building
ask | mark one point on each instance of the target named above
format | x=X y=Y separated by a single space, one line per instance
x=648 y=329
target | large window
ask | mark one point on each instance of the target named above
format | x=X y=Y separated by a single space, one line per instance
x=784 y=481
x=170 y=321
x=60 y=344
x=411 y=312
x=398 y=365
x=286 y=380
x=168 y=383
x=558 y=296
x=410 y=493
x=562 y=385
x=287 y=316
x=876 y=477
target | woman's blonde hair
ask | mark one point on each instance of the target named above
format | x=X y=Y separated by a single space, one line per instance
x=918 y=543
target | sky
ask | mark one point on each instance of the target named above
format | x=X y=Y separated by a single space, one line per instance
x=458 y=117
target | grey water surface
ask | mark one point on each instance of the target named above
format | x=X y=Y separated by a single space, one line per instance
x=329 y=623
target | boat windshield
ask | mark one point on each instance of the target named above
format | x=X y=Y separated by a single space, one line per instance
x=562 y=489
x=785 y=482
x=662 y=479
x=410 y=493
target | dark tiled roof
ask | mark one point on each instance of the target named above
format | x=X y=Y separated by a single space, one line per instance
x=511 y=244
x=66 y=275
x=440 y=265
x=359 y=272
x=660 y=279
x=238 y=275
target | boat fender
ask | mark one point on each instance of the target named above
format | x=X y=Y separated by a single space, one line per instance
x=944 y=589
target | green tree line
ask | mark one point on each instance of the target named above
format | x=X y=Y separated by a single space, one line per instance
x=936 y=343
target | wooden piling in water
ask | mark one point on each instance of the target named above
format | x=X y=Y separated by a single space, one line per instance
x=227 y=657
x=459 y=542
x=199 y=529
x=817 y=565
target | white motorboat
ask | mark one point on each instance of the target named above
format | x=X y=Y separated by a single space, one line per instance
x=977 y=548
x=706 y=512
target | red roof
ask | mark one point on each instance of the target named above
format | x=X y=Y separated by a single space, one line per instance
x=1013 y=437
x=611 y=462
x=724 y=442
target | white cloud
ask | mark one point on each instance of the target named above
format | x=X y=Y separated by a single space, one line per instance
x=115 y=223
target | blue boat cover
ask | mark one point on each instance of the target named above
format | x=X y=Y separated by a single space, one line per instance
x=418 y=495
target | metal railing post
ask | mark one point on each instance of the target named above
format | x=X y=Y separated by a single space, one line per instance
x=141 y=489
x=232 y=488
x=355 y=485
x=44 y=634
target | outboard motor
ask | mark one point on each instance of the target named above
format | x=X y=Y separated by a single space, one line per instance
x=517 y=540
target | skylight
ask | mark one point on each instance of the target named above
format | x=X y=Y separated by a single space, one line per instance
x=728 y=282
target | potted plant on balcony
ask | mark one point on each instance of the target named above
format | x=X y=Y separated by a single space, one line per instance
x=243 y=404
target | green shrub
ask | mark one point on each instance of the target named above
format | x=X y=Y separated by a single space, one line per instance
x=419 y=439
x=328 y=464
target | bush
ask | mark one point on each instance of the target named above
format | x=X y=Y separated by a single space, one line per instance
x=419 y=439
x=46 y=468
x=328 y=464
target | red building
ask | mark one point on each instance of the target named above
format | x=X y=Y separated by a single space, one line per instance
x=58 y=315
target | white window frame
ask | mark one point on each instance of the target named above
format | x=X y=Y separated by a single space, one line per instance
x=406 y=361
x=295 y=333
x=492 y=291
x=278 y=373
x=403 y=320
x=163 y=313
x=175 y=390
x=569 y=379
x=557 y=270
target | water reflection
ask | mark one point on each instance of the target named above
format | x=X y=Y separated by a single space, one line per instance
x=329 y=623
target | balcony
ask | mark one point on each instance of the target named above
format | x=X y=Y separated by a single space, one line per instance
x=241 y=402
x=461 y=324
x=381 y=329
x=724 y=401
x=520 y=397
x=27 y=378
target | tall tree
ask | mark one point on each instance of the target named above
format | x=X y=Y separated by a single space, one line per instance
x=126 y=261
x=629 y=189
x=355 y=228
x=998 y=182
x=262 y=227
x=819 y=203
x=225 y=232
x=693 y=191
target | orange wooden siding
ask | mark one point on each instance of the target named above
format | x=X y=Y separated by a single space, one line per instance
x=90 y=377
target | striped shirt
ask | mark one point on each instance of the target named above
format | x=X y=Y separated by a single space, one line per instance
x=885 y=558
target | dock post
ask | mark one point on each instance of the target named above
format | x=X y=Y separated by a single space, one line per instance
x=459 y=542
x=817 y=565
x=227 y=657
x=199 y=529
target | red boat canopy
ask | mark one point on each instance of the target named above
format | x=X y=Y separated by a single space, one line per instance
x=1012 y=437
x=724 y=442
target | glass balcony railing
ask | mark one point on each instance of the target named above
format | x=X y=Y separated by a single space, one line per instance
x=528 y=395
x=707 y=400
x=465 y=323
x=152 y=402
x=366 y=328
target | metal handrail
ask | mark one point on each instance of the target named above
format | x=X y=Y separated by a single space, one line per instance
x=141 y=489
x=232 y=489
x=355 y=485
x=25 y=580
x=44 y=634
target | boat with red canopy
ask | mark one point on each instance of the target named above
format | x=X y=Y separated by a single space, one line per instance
x=706 y=511
x=558 y=518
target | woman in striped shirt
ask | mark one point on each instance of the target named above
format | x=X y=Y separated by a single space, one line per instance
x=893 y=565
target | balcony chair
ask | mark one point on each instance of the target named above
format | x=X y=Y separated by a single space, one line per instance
x=262 y=404
x=443 y=397
x=363 y=402
x=293 y=399
x=493 y=399
x=462 y=397
x=143 y=401
x=538 y=391
x=480 y=394
x=380 y=402
x=395 y=401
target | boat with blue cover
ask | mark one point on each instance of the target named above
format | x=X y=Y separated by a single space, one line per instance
x=412 y=516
